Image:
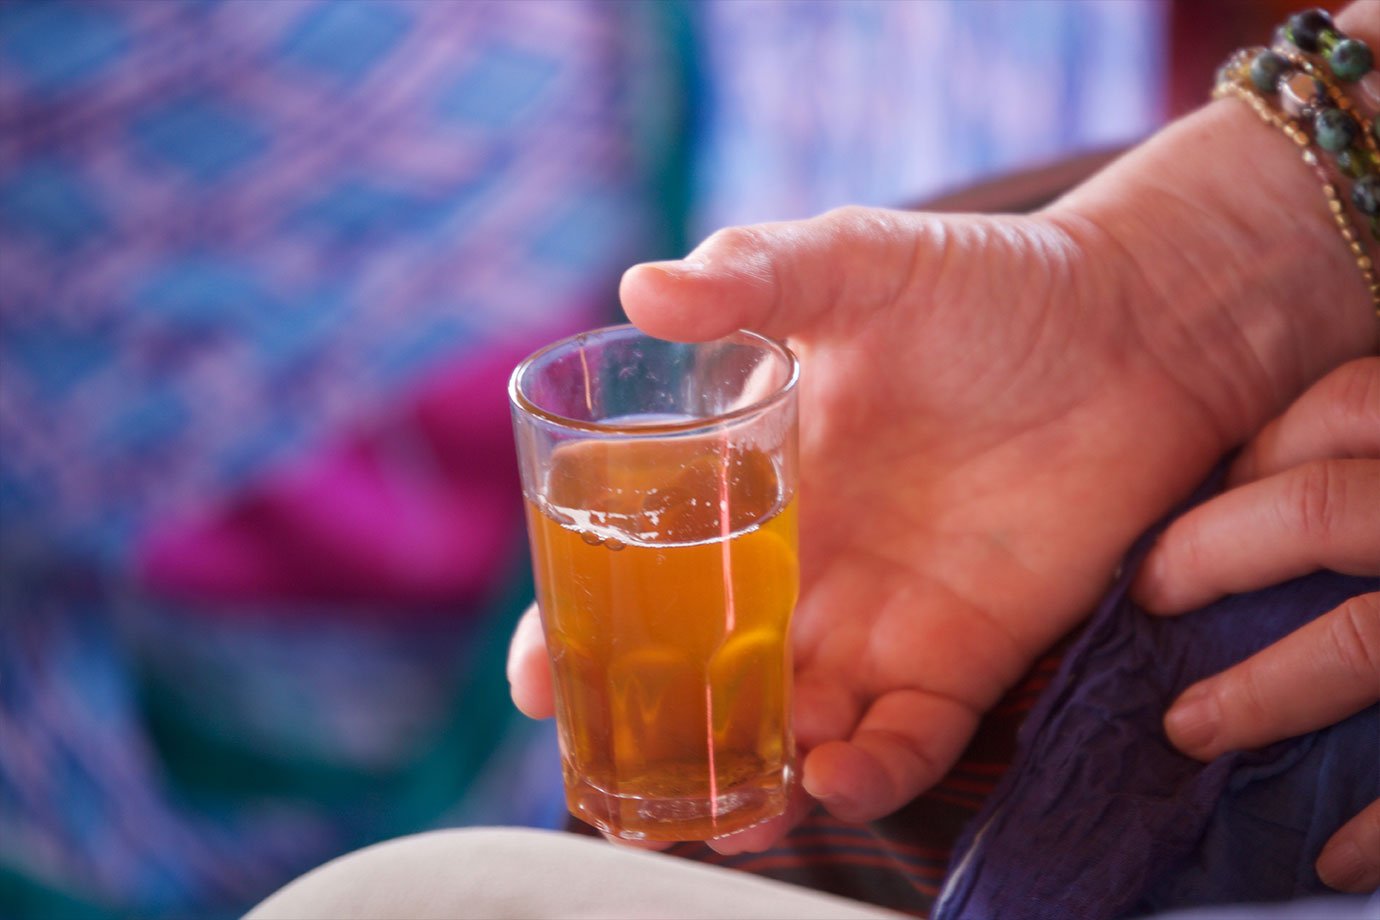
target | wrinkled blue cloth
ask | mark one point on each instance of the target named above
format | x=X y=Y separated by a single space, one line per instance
x=1100 y=817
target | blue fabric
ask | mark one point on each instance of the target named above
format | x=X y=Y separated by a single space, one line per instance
x=1100 y=816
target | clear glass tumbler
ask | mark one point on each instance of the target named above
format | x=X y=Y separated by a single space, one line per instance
x=660 y=480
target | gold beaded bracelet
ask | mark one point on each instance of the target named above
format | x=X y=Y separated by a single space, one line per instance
x=1234 y=80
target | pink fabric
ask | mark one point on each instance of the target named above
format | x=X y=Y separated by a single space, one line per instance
x=419 y=509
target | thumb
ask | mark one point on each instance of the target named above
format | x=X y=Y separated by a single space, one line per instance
x=781 y=279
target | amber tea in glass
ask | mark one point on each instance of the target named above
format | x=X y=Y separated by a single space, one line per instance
x=660 y=487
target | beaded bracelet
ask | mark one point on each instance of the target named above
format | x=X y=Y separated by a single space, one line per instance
x=1309 y=98
x=1337 y=126
x=1313 y=32
x=1234 y=80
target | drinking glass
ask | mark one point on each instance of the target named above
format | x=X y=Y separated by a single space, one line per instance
x=660 y=481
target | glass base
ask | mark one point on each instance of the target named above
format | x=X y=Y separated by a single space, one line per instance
x=681 y=818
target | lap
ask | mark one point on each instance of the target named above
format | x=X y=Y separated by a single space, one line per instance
x=509 y=872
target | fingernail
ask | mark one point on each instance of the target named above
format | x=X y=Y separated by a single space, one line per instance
x=1191 y=723
x=1342 y=866
x=812 y=788
x=830 y=799
x=843 y=807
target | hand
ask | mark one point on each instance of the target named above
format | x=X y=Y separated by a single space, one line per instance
x=1303 y=495
x=992 y=408
x=982 y=437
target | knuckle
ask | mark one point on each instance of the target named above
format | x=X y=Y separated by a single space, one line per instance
x=734 y=240
x=1314 y=499
x=850 y=215
x=911 y=767
x=1355 y=637
x=1246 y=704
x=858 y=222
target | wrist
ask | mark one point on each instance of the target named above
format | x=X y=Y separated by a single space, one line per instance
x=1230 y=268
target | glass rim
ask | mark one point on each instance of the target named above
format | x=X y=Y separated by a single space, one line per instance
x=519 y=400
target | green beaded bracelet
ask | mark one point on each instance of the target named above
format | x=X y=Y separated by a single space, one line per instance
x=1313 y=32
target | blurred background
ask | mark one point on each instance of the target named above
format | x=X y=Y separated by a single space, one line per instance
x=264 y=268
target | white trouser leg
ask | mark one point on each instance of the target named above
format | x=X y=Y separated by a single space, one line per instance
x=490 y=873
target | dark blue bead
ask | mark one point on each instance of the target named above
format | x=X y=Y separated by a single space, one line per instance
x=1365 y=194
x=1335 y=130
x=1351 y=60
x=1305 y=29
x=1266 y=69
